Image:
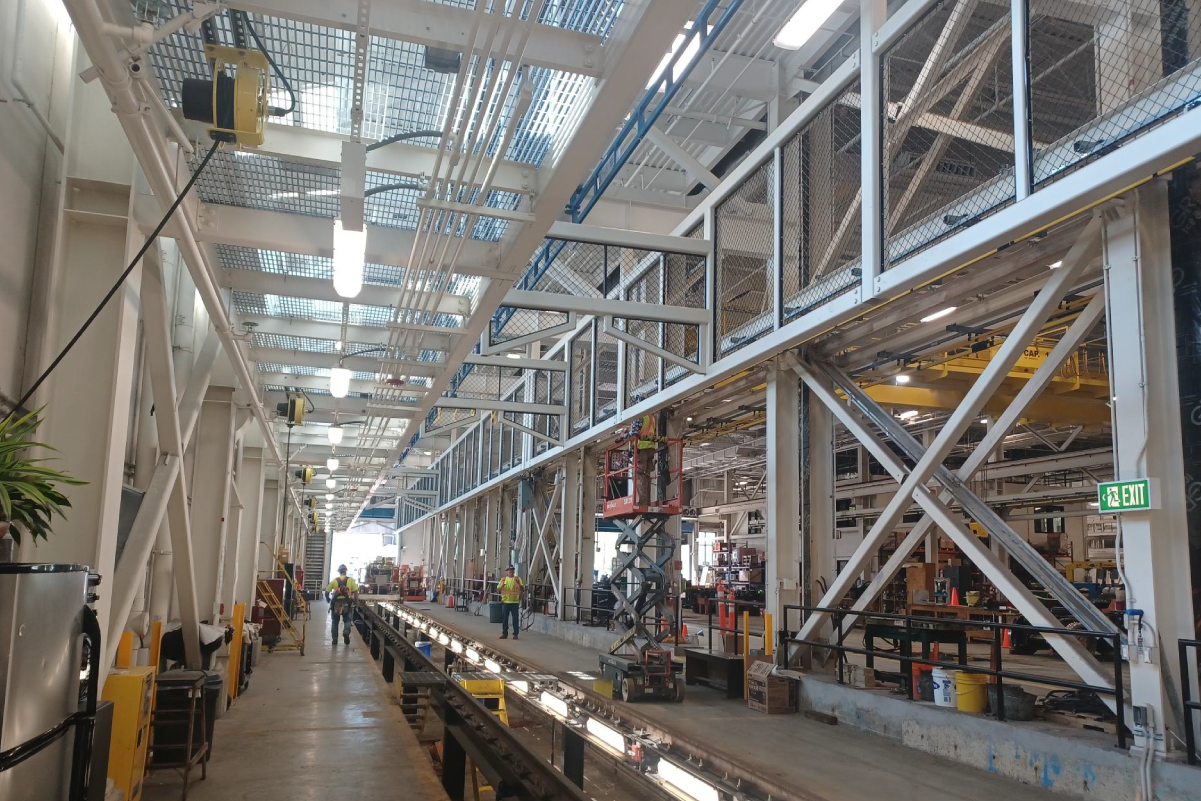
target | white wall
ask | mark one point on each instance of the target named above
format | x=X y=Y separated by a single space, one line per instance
x=29 y=168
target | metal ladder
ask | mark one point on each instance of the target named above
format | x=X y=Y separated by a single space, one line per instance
x=285 y=620
x=297 y=594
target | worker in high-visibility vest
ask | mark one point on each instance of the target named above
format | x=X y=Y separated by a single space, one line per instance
x=510 y=588
x=646 y=431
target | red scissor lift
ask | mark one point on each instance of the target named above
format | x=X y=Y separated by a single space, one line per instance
x=643 y=489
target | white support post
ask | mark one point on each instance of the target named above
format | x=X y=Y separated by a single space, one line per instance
x=783 y=480
x=1153 y=545
x=819 y=565
x=1022 y=153
x=210 y=496
x=89 y=396
x=587 y=513
x=268 y=522
x=254 y=501
x=872 y=14
x=569 y=539
x=233 y=527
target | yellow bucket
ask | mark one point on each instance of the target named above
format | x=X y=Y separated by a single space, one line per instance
x=970 y=691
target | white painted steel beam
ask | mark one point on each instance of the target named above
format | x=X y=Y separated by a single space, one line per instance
x=298 y=233
x=444 y=26
x=320 y=289
x=622 y=238
x=517 y=407
x=550 y=301
x=674 y=151
x=554 y=365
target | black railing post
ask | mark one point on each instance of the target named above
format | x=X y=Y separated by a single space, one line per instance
x=906 y=661
x=998 y=634
x=841 y=652
x=1119 y=691
x=1186 y=682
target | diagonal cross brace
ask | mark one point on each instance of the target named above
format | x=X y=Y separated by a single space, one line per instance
x=1068 y=647
x=652 y=579
x=1046 y=575
x=1082 y=253
x=1004 y=423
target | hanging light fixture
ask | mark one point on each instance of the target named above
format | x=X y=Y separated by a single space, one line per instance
x=331 y=483
x=332 y=463
x=329 y=496
x=339 y=382
x=350 y=249
x=334 y=433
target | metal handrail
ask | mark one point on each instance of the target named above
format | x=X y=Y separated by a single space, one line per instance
x=999 y=674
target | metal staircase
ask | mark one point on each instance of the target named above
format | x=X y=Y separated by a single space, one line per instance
x=315 y=563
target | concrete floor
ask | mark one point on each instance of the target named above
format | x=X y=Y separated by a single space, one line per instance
x=830 y=763
x=311 y=728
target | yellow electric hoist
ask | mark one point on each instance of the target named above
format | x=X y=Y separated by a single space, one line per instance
x=234 y=100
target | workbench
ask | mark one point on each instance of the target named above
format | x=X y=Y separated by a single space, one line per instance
x=720 y=670
x=919 y=634
x=960 y=612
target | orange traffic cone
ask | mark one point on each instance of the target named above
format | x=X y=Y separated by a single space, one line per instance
x=1007 y=639
x=683 y=630
x=954 y=597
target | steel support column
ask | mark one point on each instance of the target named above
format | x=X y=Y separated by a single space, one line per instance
x=783 y=481
x=1153 y=545
x=569 y=540
x=210 y=496
x=253 y=495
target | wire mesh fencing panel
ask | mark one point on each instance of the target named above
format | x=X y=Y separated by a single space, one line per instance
x=572 y=268
x=744 y=229
x=554 y=423
x=580 y=409
x=517 y=323
x=684 y=284
x=625 y=267
x=820 y=213
x=445 y=417
x=1103 y=72
x=948 y=125
x=642 y=369
x=604 y=397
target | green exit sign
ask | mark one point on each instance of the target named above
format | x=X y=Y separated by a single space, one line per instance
x=1128 y=496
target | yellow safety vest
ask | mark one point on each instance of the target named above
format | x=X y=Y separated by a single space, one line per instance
x=510 y=590
x=646 y=434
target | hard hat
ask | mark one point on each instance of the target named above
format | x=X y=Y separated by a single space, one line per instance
x=341 y=568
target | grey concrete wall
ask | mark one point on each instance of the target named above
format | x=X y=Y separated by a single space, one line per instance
x=1077 y=764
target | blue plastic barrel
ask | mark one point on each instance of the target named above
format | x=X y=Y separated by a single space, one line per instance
x=424 y=647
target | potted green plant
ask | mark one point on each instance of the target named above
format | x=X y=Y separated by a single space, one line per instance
x=29 y=494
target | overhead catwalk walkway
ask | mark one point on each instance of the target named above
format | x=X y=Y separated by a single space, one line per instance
x=822 y=762
x=310 y=728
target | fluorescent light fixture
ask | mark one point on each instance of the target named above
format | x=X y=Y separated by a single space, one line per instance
x=554 y=704
x=350 y=254
x=932 y=317
x=520 y=685
x=456 y=646
x=1094 y=504
x=688 y=784
x=339 y=382
x=473 y=656
x=331 y=483
x=334 y=433
x=908 y=415
x=443 y=639
x=804 y=23
x=1055 y=265
x=515 y=355
x=902 y=379
x=492 y=665
x=608 y=736
x=331 y=464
